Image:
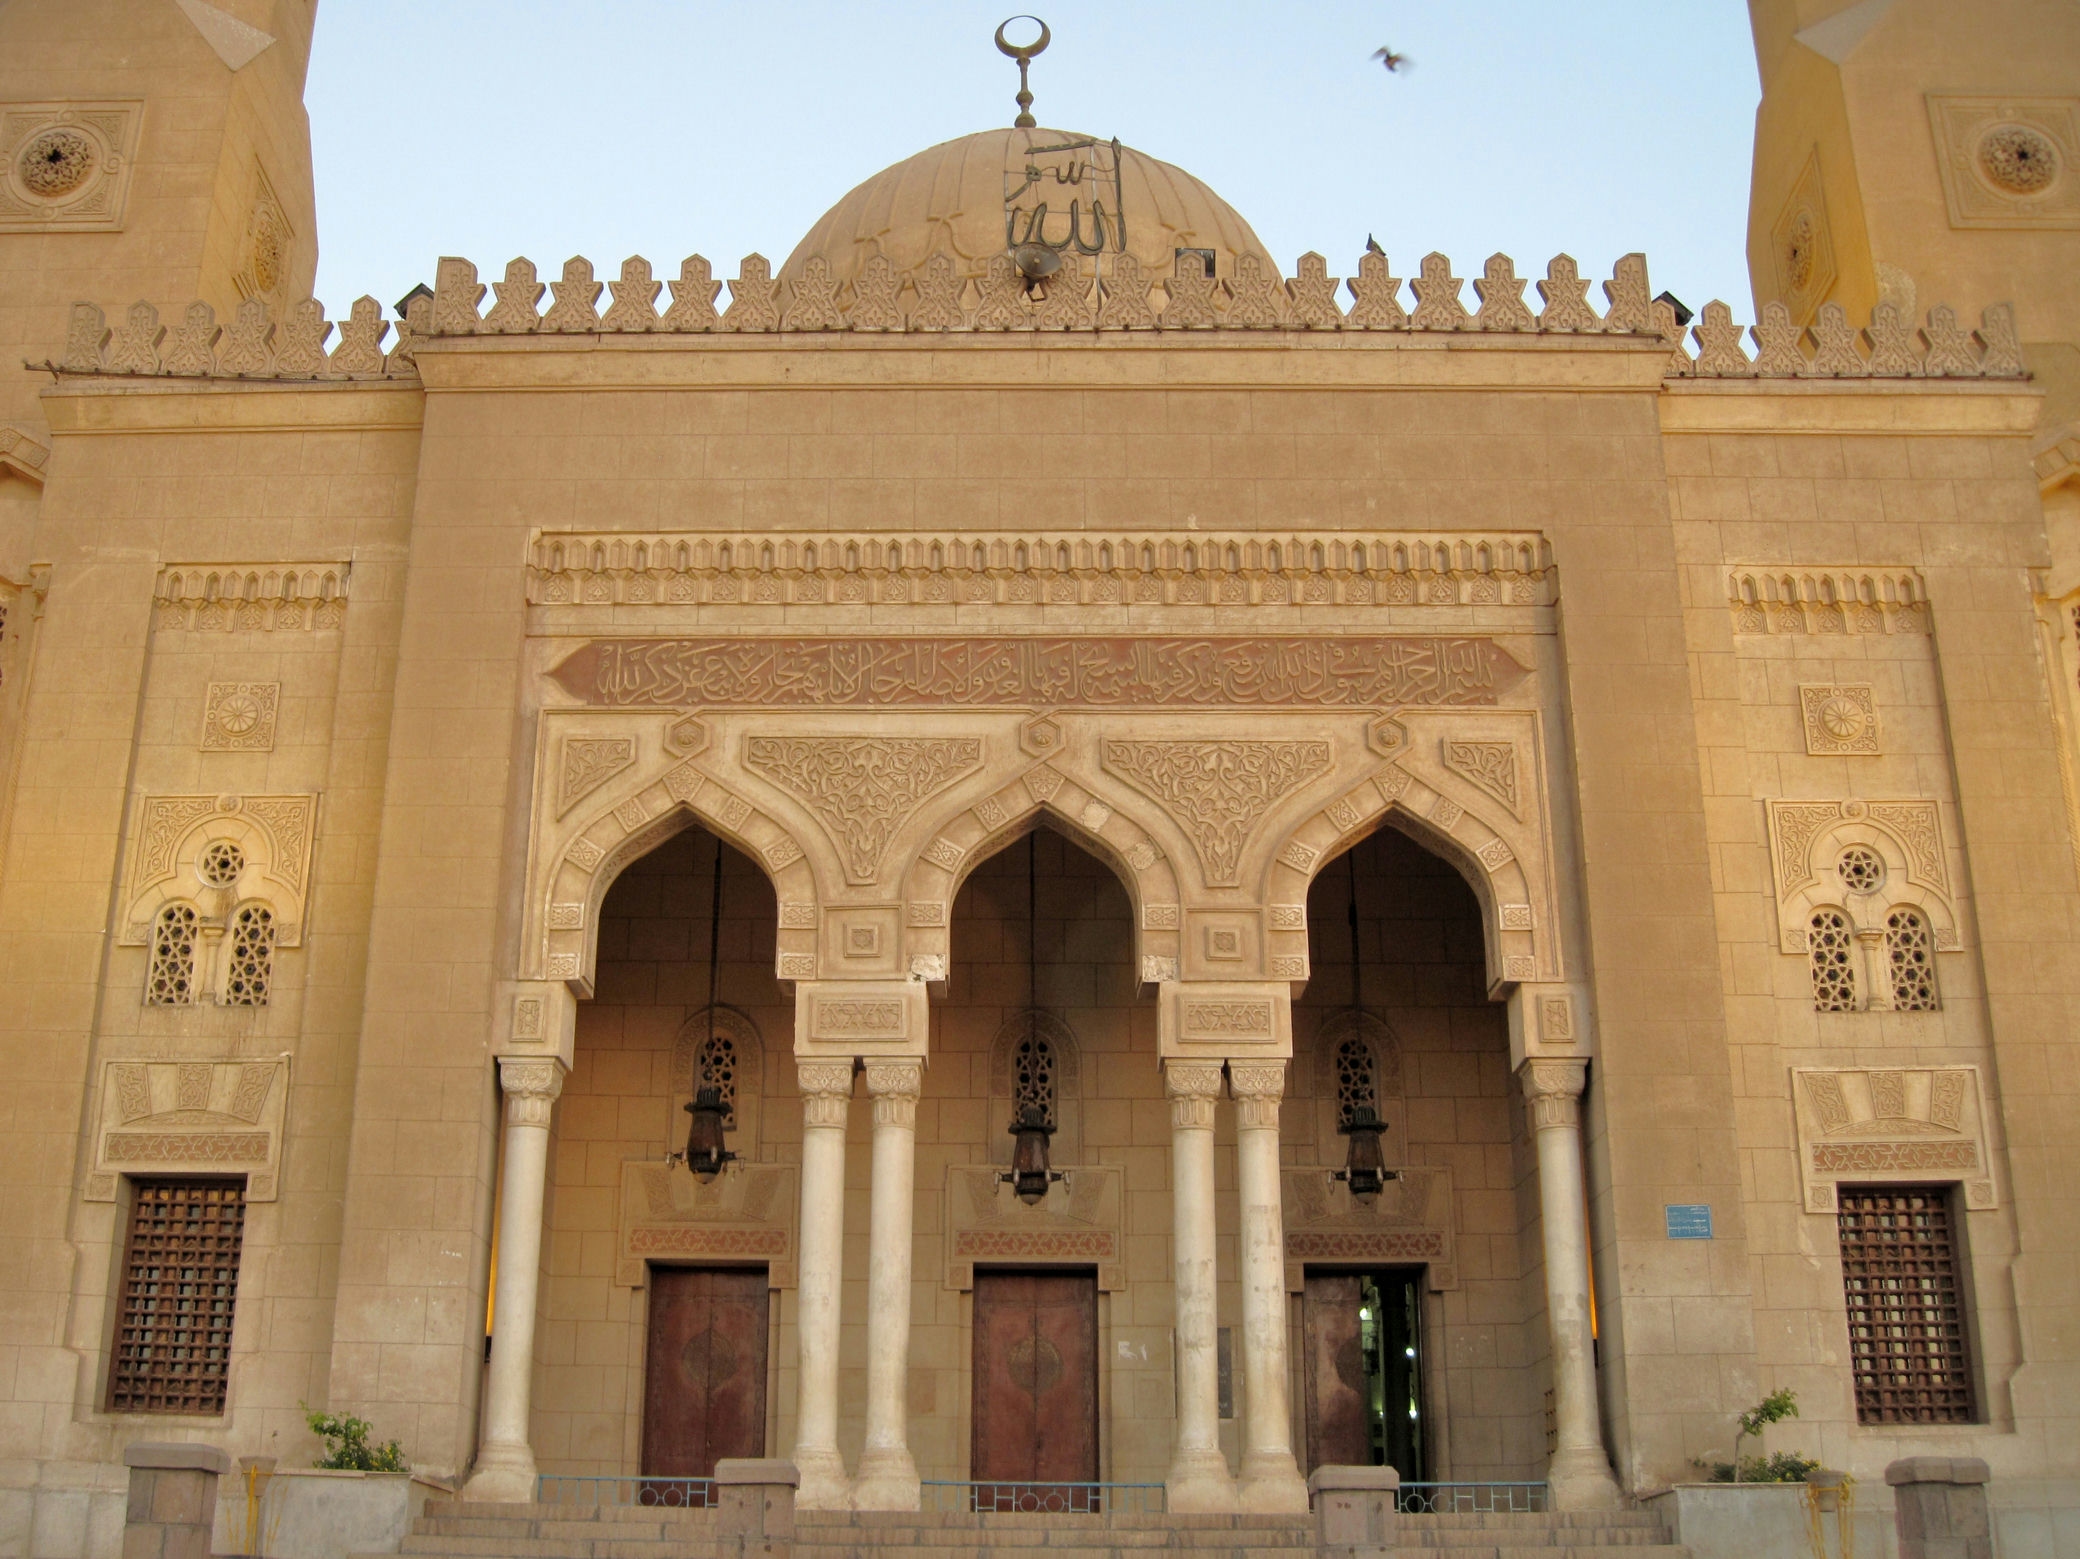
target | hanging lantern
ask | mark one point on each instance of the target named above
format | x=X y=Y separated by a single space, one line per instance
x=1364 y=1169
x=1029 y=1175
x=705 y=1154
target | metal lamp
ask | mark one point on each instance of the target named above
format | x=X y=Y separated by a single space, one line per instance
x=705 y=1154
x=1029 y=1175
x=1364 y=1169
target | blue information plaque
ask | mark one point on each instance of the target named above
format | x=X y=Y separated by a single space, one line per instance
x=1689 y=1220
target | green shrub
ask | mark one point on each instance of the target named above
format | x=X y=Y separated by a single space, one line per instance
x=1777 y=1467
x=347 y=1448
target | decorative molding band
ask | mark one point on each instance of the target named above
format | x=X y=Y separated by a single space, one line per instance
x=251 y=597
x=1800 y=599
x=1110 y=673
x=1081 y=1221
x=1411 y=1221
x=190 y=1117
x=1892 y=1124
x=668 y=1214
x=23 y=455
x=602 y=568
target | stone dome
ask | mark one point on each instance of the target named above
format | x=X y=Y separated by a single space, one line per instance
x=954 y=196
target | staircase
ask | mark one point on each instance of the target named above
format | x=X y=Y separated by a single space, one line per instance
x=450 y=1529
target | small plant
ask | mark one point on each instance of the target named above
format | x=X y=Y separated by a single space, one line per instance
x=1777 y=1467
x=347 y=1448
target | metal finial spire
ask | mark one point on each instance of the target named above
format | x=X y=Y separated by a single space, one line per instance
x=1023 y=53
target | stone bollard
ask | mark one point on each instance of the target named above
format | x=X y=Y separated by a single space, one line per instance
x=755 y=1508
x=173 y=1500
x=1354 y=1509
x=1939 y=1507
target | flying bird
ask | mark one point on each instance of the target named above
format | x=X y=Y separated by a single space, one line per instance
x=1391 y=60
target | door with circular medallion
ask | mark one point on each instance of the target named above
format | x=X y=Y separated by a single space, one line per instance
x=704 y=1387
x=1036 y=1390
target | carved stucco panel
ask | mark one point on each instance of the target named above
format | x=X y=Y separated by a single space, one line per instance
x=1878 y=1125
x=190 y=1117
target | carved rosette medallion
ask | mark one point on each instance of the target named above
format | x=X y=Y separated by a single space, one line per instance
x=1217 y=791
x=862 y=788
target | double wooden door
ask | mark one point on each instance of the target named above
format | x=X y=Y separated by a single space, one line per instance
x=1364 y=1358
x=1036 y=1390
x=704 y=1387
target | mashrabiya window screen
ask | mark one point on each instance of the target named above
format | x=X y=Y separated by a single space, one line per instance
x=1904 y=1285
x=180 y=1281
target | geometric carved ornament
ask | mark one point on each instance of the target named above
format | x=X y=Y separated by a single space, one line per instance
x=272 y=836
x=1810 y=842
x=745 y=1215
x=1883 y=1125
x=1410 y=1223
x=1078 y=1223
x=188 y=1118
x=1839 y=721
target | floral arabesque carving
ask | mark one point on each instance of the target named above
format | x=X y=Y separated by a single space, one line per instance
x=863 y=788
x=272 y=836
x=588 y=763
x=1810 y=842
x=1491 y=766
x=1217 y=791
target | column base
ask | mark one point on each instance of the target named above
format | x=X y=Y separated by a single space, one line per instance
x=824 y=1484
x=1271 y=1484
x=504 y=1475
x=887 y=1481
x=1199 y=1483
x=1581 y=1480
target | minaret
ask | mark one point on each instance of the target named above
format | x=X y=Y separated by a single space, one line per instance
x=149 y=149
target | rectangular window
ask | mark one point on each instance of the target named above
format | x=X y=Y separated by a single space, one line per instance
x=180 y=1280
x=1905 y=1290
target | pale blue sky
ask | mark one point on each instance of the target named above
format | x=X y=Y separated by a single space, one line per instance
x=490 y=128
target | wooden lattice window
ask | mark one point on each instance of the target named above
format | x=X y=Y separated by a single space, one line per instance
x=180 y=1281
x=1904 y=1285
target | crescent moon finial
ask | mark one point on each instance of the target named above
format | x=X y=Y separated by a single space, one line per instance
x=1023 y=53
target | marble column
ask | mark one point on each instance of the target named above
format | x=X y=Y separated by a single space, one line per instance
x=1579 y=1475
x=887 y=1474
x=505 y=1469
x=826 y=1089
x=1198 y=1479
x=1271 y=1479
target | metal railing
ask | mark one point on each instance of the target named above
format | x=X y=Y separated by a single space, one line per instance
x=1481 y=1499
x=665 y=1493
x=1050 y=1499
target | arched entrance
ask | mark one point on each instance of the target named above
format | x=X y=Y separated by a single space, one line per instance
x=1417 y=1337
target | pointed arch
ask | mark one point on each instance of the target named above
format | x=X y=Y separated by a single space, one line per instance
x=574 y=861
x=1473 y=833
x=960 y=838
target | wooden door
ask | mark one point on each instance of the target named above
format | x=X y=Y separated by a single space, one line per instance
x=1362 y=1334
x=1036 y=1390
x=1339 y=1414
x=704 y=1386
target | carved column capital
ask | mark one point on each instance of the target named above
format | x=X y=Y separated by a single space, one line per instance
x=1554 y=1089
x=531 y=1087
x=894 y=1086
x=1257 y=1086
x=826 y=1089
x=1193 y=1086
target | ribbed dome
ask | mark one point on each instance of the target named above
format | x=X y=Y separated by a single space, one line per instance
x=953 y=197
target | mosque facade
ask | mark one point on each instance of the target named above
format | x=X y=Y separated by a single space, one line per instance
x=1024 y=851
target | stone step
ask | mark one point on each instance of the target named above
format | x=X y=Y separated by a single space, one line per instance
x=1504 y=1519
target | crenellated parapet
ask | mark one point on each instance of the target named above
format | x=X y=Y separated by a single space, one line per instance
x=1085 y=297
